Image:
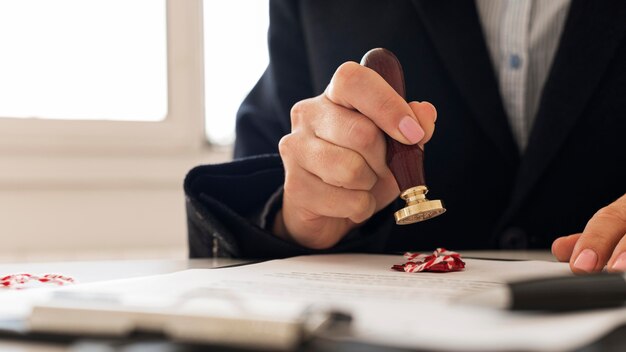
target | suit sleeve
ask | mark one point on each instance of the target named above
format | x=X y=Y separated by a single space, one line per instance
x=223 y=201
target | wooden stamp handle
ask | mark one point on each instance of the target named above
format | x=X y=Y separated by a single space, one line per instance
x=405 y=161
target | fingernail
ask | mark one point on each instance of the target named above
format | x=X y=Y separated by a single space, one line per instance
x=586 y=260
x=411 y=129
x=620 y=263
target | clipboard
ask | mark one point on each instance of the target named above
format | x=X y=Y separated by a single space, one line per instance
x=76 y=315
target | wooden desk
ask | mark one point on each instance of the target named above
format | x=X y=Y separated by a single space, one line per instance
x=93 y=271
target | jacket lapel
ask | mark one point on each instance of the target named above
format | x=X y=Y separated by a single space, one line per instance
x=591 y=34
x=457 y=35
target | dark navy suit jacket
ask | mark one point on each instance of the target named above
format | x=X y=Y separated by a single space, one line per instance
x=575 y=162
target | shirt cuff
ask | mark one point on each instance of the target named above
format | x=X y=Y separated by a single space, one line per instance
x=265 y=219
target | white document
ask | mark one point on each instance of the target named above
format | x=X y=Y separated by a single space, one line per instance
x=414 y=310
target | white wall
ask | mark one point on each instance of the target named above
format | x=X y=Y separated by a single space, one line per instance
x=115 y=208
x=83 y=223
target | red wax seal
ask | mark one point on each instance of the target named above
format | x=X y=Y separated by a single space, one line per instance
x=21 y=281
x=440 y=261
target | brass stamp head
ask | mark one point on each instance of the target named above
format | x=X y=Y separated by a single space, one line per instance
x=418 y=208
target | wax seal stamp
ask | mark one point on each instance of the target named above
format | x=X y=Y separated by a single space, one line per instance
x=405 y=161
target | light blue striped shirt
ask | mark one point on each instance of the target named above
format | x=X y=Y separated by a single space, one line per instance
x=522 y=37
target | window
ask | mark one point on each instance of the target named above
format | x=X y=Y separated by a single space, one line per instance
x=233 y=62
x=101 y=77
x=83 y=60
x=102 y=112
x=107 y=74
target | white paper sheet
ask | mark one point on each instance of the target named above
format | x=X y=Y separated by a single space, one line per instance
x=414 y=310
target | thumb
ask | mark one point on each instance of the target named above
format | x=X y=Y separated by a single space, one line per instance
x=426 y=116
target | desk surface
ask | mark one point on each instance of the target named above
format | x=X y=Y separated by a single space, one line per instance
x=93 y=271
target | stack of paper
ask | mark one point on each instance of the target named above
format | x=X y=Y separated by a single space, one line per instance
x=262 y=305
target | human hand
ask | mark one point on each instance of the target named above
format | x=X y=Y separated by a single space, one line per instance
x=336 y=175
x=602 y=242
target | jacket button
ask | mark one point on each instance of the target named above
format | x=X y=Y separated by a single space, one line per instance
x=513 y=238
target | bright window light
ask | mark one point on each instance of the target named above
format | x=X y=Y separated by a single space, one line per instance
x=235 y=56
x=83 y=60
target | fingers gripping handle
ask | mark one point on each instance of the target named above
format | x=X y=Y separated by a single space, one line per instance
x=405 y=161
